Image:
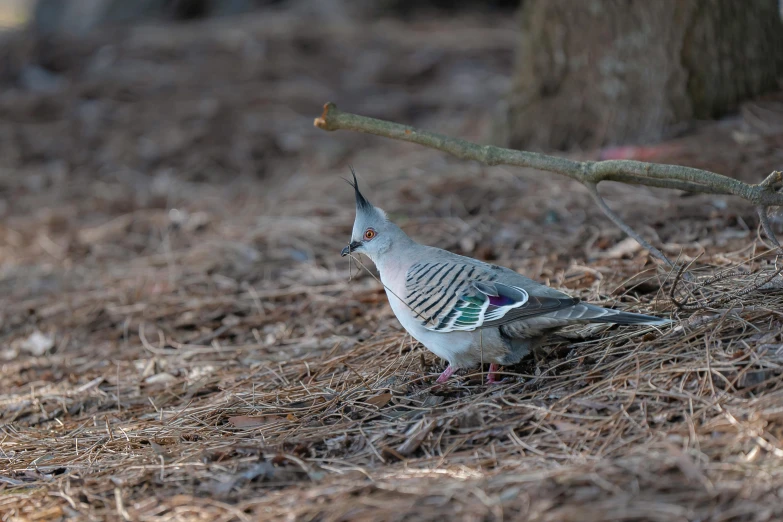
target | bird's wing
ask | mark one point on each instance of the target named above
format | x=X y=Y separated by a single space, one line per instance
x=448 y=296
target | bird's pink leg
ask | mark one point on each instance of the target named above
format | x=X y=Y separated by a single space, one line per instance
x=491 y=378
x=446 y=374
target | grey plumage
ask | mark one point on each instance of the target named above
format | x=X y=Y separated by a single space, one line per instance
x=462 y=309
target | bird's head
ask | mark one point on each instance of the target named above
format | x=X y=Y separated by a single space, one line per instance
x=373 y=234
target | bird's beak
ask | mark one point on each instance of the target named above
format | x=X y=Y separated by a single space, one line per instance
x=350 y=248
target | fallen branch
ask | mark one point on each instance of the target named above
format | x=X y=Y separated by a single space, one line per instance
x=589 y=173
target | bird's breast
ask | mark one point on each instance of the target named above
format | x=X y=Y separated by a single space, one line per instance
x=445 y=345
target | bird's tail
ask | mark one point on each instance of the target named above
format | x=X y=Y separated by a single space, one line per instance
x=596 y=314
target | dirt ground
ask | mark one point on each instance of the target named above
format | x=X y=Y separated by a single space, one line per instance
x=180 y=339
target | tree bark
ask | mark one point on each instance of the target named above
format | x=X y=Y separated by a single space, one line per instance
x=595 y=72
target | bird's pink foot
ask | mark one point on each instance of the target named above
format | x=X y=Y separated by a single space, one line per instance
x=491 y=377
x=446 y=374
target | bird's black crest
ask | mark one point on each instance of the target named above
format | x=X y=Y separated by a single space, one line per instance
x=361 y=201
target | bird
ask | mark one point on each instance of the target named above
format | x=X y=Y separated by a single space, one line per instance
x=464 y=310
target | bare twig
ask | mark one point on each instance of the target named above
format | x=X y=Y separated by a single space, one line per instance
x=766 y=225
x=624 y=171
x=592 y=188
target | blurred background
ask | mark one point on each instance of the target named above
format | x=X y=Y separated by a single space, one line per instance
x=159 y=169
x=128 y=110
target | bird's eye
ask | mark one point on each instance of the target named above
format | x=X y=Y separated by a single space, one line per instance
x=369 y=234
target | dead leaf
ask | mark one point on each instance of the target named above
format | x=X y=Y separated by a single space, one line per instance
x=379 y=401
x=160 y=378
x=416 y=435
x=566 y=426
x=38 y=343
x=626 y=247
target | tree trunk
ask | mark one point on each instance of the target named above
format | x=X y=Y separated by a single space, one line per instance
x=596 y=72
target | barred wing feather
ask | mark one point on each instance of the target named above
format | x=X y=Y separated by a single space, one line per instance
x=449 y=297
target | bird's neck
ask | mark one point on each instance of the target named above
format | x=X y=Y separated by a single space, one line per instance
x=391 y=262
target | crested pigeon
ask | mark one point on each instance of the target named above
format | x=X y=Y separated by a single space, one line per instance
x=464 y=310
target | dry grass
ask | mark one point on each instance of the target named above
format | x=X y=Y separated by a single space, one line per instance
x=204 y=353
